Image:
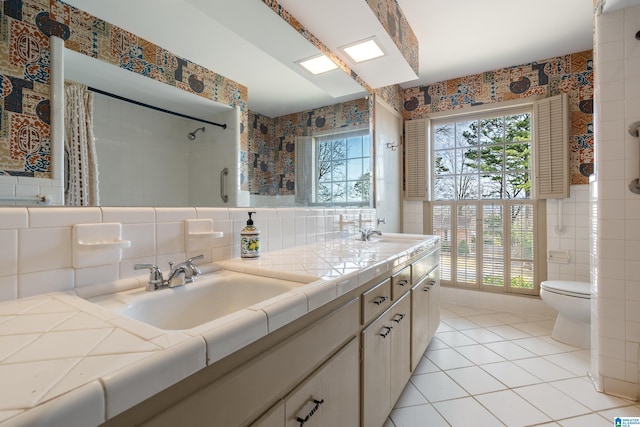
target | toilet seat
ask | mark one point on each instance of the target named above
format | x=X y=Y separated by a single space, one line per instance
x=568 y=288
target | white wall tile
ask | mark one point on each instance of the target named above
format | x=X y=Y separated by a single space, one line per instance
x=45 y=281
x=8 y=252
x=13 y=218
x=42 y=249
x=63 y=216
x=99 y=274
x=143 y=240
x=128 y=215
x=174 y=214
x=213 y=213
x=8 y=288
x=169 y=237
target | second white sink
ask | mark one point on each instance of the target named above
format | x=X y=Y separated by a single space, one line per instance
x=210 y=297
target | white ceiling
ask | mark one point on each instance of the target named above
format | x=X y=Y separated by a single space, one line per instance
x=463 y=37
x=246 y=42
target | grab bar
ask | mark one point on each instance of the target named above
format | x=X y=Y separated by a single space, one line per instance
x=39 y=199
x=634 y=130
x=223 y=174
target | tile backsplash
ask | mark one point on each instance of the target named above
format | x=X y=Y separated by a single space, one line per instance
x=36 y=254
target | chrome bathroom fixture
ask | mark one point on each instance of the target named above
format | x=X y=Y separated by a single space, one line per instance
x=179 y=275
x=192 y=135
x=634 y=130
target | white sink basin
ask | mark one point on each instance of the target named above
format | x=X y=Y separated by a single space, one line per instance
x=396 y=238
x=208 y=298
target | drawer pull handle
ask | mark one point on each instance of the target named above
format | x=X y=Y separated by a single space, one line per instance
x=398 y=317
x=386 y=332
x=432 y=282
x=403 y=282
x=426 y=289
x=379 y=300
x=311 y=413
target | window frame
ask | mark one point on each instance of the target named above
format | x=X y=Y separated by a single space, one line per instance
x=337 y=135
x=539 y=206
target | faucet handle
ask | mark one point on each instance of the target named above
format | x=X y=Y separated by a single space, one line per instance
x=381 y=221
x=155 y=275
x=190 y=260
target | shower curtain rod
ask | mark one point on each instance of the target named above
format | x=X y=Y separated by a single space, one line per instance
x=142 y=104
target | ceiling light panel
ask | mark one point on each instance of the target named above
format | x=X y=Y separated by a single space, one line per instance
x=318 y=64
x=364 y=50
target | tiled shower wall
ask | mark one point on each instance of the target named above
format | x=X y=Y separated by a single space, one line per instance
x=36 y=251
x=616 y=251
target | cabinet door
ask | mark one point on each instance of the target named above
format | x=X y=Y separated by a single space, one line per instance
x=376 y=375
x=400 y=283
x=274 y=417
x=419 y=320
x=400 y=318
x=329 y=397
x=434 y=302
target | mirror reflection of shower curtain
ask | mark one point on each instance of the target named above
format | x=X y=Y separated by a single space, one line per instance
x=80 y=151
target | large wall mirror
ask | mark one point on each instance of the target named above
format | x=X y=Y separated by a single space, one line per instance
x=150 y=157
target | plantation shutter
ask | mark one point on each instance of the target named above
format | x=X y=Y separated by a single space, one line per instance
x=415 y=159
x=551 y=147
x=304 y=169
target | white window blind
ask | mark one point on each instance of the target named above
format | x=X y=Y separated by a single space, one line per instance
x=416 y=164
x=551 y=154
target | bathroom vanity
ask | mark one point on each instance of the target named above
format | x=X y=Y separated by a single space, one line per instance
x=334 y=348
x=342 y=364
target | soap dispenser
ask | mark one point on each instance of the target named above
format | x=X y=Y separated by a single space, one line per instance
x=250 y=240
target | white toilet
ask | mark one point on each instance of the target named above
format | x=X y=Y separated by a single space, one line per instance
x=572 y=300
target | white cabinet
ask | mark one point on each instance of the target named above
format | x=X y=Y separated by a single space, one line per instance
x=330 y=396
x=272 y=418
x=385 y=362
x=425 y=314
x=434 y=301
x=400 y=317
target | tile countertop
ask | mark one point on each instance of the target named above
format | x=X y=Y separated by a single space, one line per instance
x=67 y=361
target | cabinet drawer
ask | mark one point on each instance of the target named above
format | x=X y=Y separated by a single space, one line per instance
x=424 y=265
x=400 y=283
x=376 y=300
x=330 y=396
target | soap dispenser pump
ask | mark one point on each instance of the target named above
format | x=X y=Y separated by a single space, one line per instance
x=250 y=240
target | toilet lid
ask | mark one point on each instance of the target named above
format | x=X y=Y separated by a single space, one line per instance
x=568 y=287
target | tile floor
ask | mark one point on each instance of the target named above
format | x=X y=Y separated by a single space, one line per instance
x=491 y=368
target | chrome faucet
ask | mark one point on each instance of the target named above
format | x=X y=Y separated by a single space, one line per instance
x=187 y=268
x=365 y=235
x=183 y=273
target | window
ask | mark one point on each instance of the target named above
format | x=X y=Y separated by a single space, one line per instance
x=343 y=170
x=482 y=206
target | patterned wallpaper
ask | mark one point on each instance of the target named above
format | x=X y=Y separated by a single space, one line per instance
x=272 y=142
x=571 y=74
x=25 y=27
x=25 y=146
x=394 y=22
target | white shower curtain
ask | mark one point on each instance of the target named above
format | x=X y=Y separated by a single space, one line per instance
x=80 y=151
